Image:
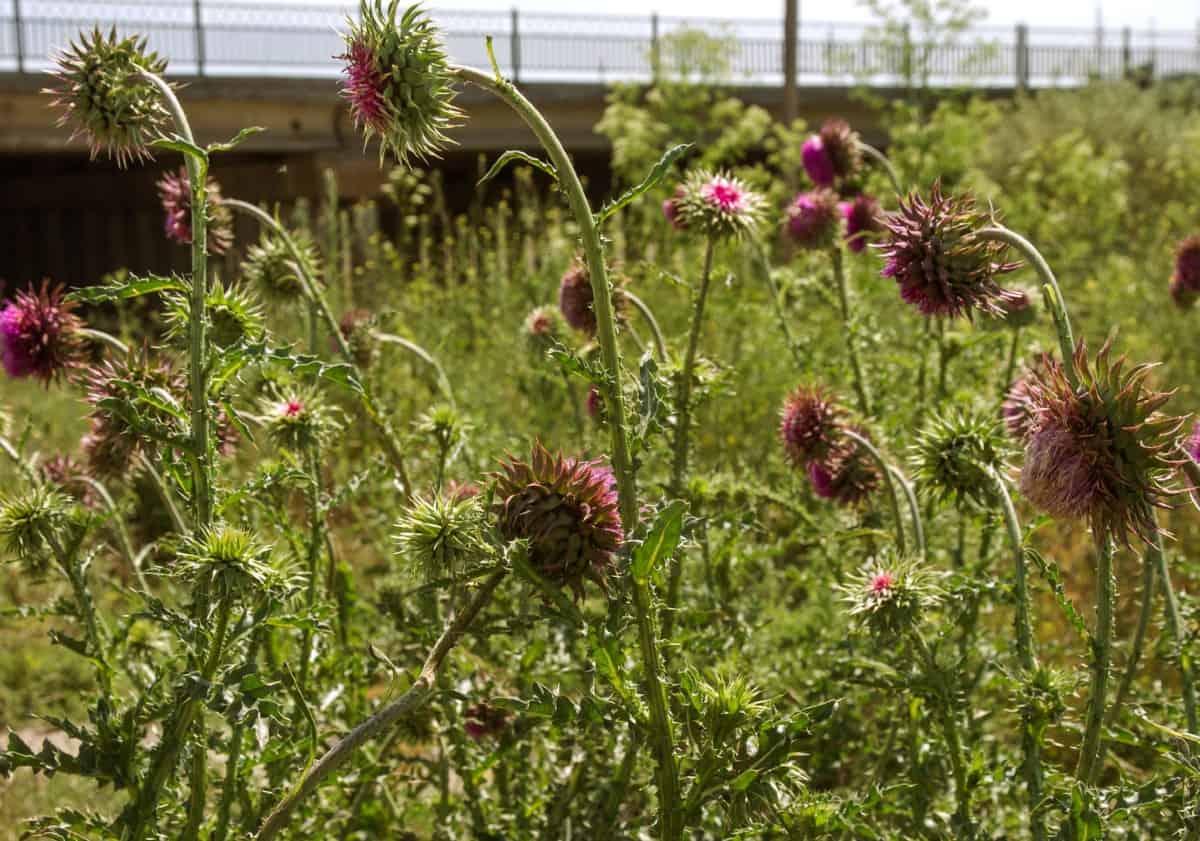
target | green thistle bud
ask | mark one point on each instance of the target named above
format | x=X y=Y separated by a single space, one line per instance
x=890 y=596
x=956 y=456
x=398 y=81
x=299 y=419
x=270 y=267
x=445 y=426
x=437 y=537
x=227 y=560
x=104 y=97
x=31 y=521
x=234 y=314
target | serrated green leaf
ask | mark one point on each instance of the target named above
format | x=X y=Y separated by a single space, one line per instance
x=517 y=155
x=657 y=173
x=178 y=144
x=1053 y=576
x=131 y=288
x=660 y=543
x=236 y=140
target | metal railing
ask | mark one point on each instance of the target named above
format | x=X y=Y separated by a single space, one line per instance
x=235 y=37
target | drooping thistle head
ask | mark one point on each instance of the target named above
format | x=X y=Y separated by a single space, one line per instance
x=847 y=475
x=175 y=193
x=1101 y=452
x=227 y=561
x=575 y=299
x=718 y=205
x=813 y=219
x=297 y=419
x=817 y=162
x=356 y=328
x=941 y=264
x=39 y=335
x=31 y=521
x=398 y=82
x=437 y=537
x=567 y=509
x=271 y=268
x=103 y=97
x=234 y=314
x=810 y=425
x=889 y=596
x=864 y=219
x=543 y=327
x=957 y=457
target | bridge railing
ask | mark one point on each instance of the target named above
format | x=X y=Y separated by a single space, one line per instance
x=237 y=37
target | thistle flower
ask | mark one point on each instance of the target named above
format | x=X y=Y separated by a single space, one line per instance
x=298 y=419
x=595 y=403
x=936 y=258
x=1187 y=265
x=104 y=97
x=39 y=335
x=817 y=162
x=70 y=477
x=671 y=211
x=890 y=596
x=126 y=398
x=1018 y=311
x=575 y=300
x=1192 y=445
x=567 y=509
x=438 y=535
x=355 y=326
x=270 y=267
x=461 y=491
x=718 y=205
x=813 y=219
x=956 y=457
x=398 y=81
x=841 y=145
x=1103 y=451
x=227 y=560
x=1183 y=296
x=810 y=424
x=483 y=721
x=1019 y=410
x=864 y=219
x=175 y=193
x=543 y=325
x=234 y=314
x=847 y=475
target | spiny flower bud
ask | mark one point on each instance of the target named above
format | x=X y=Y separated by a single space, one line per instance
x=847 y=475
x=175 y=193
x=864 y=219
x=1102 y=451
x=104 y=97
x=889 y=596
x=567 y=509
x=227 y=561
x=299 y=419
x=943 y=268
x=575 y=299
x=438 y=536
x=718 y=205
x=39 y=335
x=957 y=456
x=270 y=266
x=121 y=416
x=813 y=219
x=398 y=81
x=810 y=425
x=27 y=520
x=234 y=314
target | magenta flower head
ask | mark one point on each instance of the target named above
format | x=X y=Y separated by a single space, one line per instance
x=810 y=424
x=1192 y=445
x=670 y=208
x=1183 y=296
x=398 y=81
x=544 y=326
x=817 y=162
x=1019 y=411
x=813 y=219
x=175 y=193
x=104 y=97
x=718 y=205
x=70 y=477
x=847 y=475
x=1187 y=263
x=595 y=403
x=943 y=268
x=575 y=299
x=1019 y=309
x=1103 y=451
x=457 y=491
x=484 y=721
x=889 y=596
x=567 y=509
x=39 y=335
x=864 y=219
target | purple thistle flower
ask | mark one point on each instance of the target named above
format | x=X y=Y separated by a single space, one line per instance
x=941 y=266
x=840 y=144
x=567 y=509
x=1102 y=451
x=1019 y=410
x=575 y=299
x=365 y=88
x=717 y=205
x=809 y=425
x=864 y=219
x=39 y=335
x=461 y=491
x=817 y=162
x=1183 y=295
x=1187 y=263
x=846 y=475
x=813 y=219
x=175 y=193
x=69 y=476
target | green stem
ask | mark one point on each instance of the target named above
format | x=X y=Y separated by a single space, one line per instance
x=104 y=338
x=914 y=510
x=660 y=343
x=1176 y=627
x=316 y=541
x=950 y=733
x=83 y=601
x=882 y=159
x=860 y=383
x=1010 y=368
x=1050 y=288
x=1150 y=561
x=1089 y=752
x=415 y=697
x=760 y=258
x=887 y=472
x=230 y=787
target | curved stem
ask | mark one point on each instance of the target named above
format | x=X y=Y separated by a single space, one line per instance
x=312 y=291
x=888 y=471
x=426 y=357
x=104 y=338
x=760 y=258
x=860 y=383
x=882 y=159
x=165 y=493
x=1089 y=751
x=1176 y=627
x=119 y=527
x=413 y=698
x=1050 y=288
x=1150 y=561
x=914 y=510
x=1010 y=367
x=660 y=343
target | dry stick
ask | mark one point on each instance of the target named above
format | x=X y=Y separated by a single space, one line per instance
x=414 y=697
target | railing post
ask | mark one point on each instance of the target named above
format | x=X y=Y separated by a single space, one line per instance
x=1126 y=52
x=199 y=26
x=655 y=55
x=791 y=97
x=19 y=31
x=1022 y=58
x=515 y=46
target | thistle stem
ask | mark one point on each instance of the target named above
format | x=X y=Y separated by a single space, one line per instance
x=1050 y=288
x=860 y=383
x=415 y=697
x=760 y=258
x=312 y=291
x=1176 y=627
x=914 y=510
x=1150 y=561
x=888 y=471
x=104 y=338
x=660 y=343
x=882 y=159
x=316 y=541
x=950 y=734
x=1089 y=752
x=683 y=425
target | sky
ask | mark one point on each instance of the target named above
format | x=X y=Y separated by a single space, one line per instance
x=1139 y=14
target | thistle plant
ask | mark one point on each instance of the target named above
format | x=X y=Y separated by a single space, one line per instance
x=40 y=335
